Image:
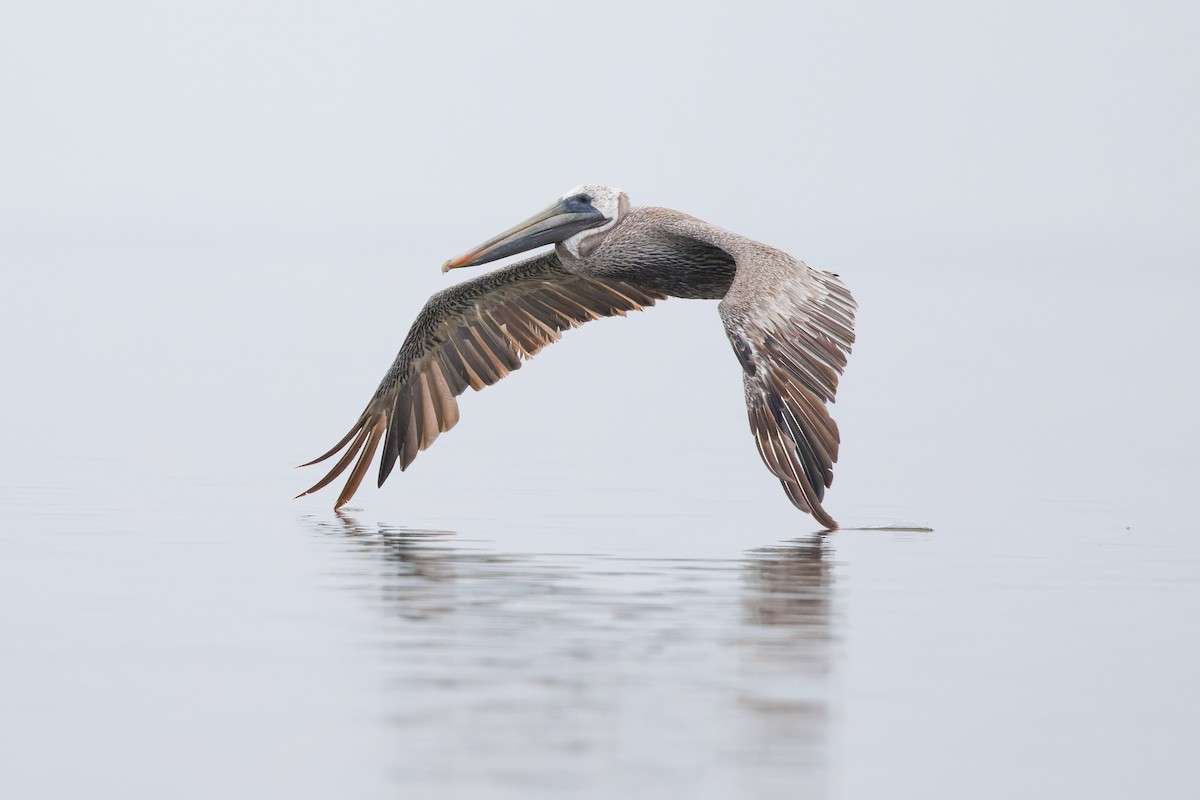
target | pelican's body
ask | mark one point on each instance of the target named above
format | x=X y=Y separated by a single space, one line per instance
x=791 y=328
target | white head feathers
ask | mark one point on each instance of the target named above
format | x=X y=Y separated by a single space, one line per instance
x=608 y=200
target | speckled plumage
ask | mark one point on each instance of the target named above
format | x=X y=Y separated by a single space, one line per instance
x=791 y=328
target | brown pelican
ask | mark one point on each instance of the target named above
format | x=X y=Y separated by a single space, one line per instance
x=791 y=328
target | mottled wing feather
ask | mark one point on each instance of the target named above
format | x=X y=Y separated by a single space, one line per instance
x=471 y=335
x=791 y=328
x=792 y=335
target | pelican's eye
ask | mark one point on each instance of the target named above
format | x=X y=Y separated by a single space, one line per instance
x=584 y=198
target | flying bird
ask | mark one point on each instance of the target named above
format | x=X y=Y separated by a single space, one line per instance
x=791 y=328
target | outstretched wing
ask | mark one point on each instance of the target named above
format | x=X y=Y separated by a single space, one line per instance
x=791 y=327
x=472 y=334
x=792 y=340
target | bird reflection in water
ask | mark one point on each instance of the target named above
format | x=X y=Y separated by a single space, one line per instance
x=524 y=669
x=787 y=640
x=414 y=552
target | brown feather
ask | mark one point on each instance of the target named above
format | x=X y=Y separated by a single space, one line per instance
x=429 y=414
x=453 y=368
x=342 y=463
x=364 y=461
x=338 y=446
x=795 y=493
x=447 y=406
x=409 y=447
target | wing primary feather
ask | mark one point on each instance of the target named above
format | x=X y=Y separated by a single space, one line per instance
x=417 y=410
x=443 y=396
x=391 y=451
x=429 y=413
x=339 y=445
x=408 y=449
x=342 y=463
x=395 y=436
x=795 y=493
x=807 y=419
x=453 y=367
x=815 y=412
x=803 y=448
x=364 y=461
x=480 y=372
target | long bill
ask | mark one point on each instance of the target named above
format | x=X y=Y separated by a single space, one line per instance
x=554 y=224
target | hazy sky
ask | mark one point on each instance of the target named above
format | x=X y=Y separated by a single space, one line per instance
x=823 y=120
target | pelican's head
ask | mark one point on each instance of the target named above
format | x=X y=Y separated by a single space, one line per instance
x=575 y=218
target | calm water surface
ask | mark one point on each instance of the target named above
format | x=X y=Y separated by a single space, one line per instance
x=316 y=654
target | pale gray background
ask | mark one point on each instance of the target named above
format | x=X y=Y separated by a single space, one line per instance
x=218 y=219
